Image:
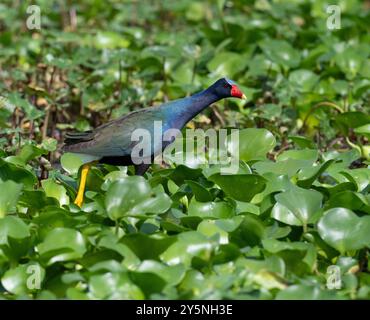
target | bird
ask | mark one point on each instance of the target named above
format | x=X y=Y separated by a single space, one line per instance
x=112 y=143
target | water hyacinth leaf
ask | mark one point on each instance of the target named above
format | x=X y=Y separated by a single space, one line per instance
x=182 y=173
x=302 y=142
x=283 y=214
x=72 y=162
x=309 y=155
x=348 y=199
x=363 y=130
x=114 y=286
x=62 y=244
x=200 y=192
x=35 y=200
x=288 y=167
x=156 y=204
x=29 y=152
x=123 y=195
x=210 y=209
x=188 y=245
x=300 y=257
x=210 y=229
x=349 y=120
x=303 y=80
x=253 y=144
x=24 y=278
x=241 y=187
x=281 y=52
x=249 y=232
x=14 y=228
x=269 y=280
x=304 y=204
x=10 y=171
x=305 y=292
x=14 y=237
x=349 y=61
x=308 y=175
x=9 y=195
x=150 y=283
x=344 y=230
x=228 y=63
x=32 y=112
x=270 y=111
x=109 y=40
x=171 y=274
x=55 y=190
x=148 y=247
x=360 y=177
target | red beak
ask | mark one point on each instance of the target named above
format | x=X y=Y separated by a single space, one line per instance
x=235 y=92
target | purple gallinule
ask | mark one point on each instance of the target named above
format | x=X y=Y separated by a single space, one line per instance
x=112 y=142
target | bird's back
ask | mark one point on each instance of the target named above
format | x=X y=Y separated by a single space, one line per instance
x=115 y=137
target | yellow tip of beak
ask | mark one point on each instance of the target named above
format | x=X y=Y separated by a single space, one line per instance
x=244 y=97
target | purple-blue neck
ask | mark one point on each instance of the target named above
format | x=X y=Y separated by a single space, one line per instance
x=183 y=110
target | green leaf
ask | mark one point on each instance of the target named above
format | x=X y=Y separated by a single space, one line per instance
x=281 y=52
x=210 y=209
x=62 y=244
x=241 y=187
x=14 y=228
x=348 y=199
x=300 y=257
x=227 y=63
x=23 y=279
x=363 y=130
x=249 y=232
x=283 y=214
x=200 y=192
x=210 y=229
x=349 y=120
x=302 y=142
x=303 y=80
x=71 y=162
x=30 y=152
x=124 y=194
x=350 y=62
x=14 y=237
x=171 y=274
x=305 y=292
x=344 y=230
x=304 y=204
x=32 y=112
x=253 y=144
x=10 y=171
x=305 y=154
x=147 y=247
x=9 y=195
x=308 y=175
x=189 y=244
x=115 y=286
x=55 y=190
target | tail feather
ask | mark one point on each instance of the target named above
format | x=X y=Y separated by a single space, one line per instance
x=77 y=137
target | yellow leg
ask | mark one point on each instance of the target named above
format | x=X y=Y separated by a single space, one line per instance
x=81 y=189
